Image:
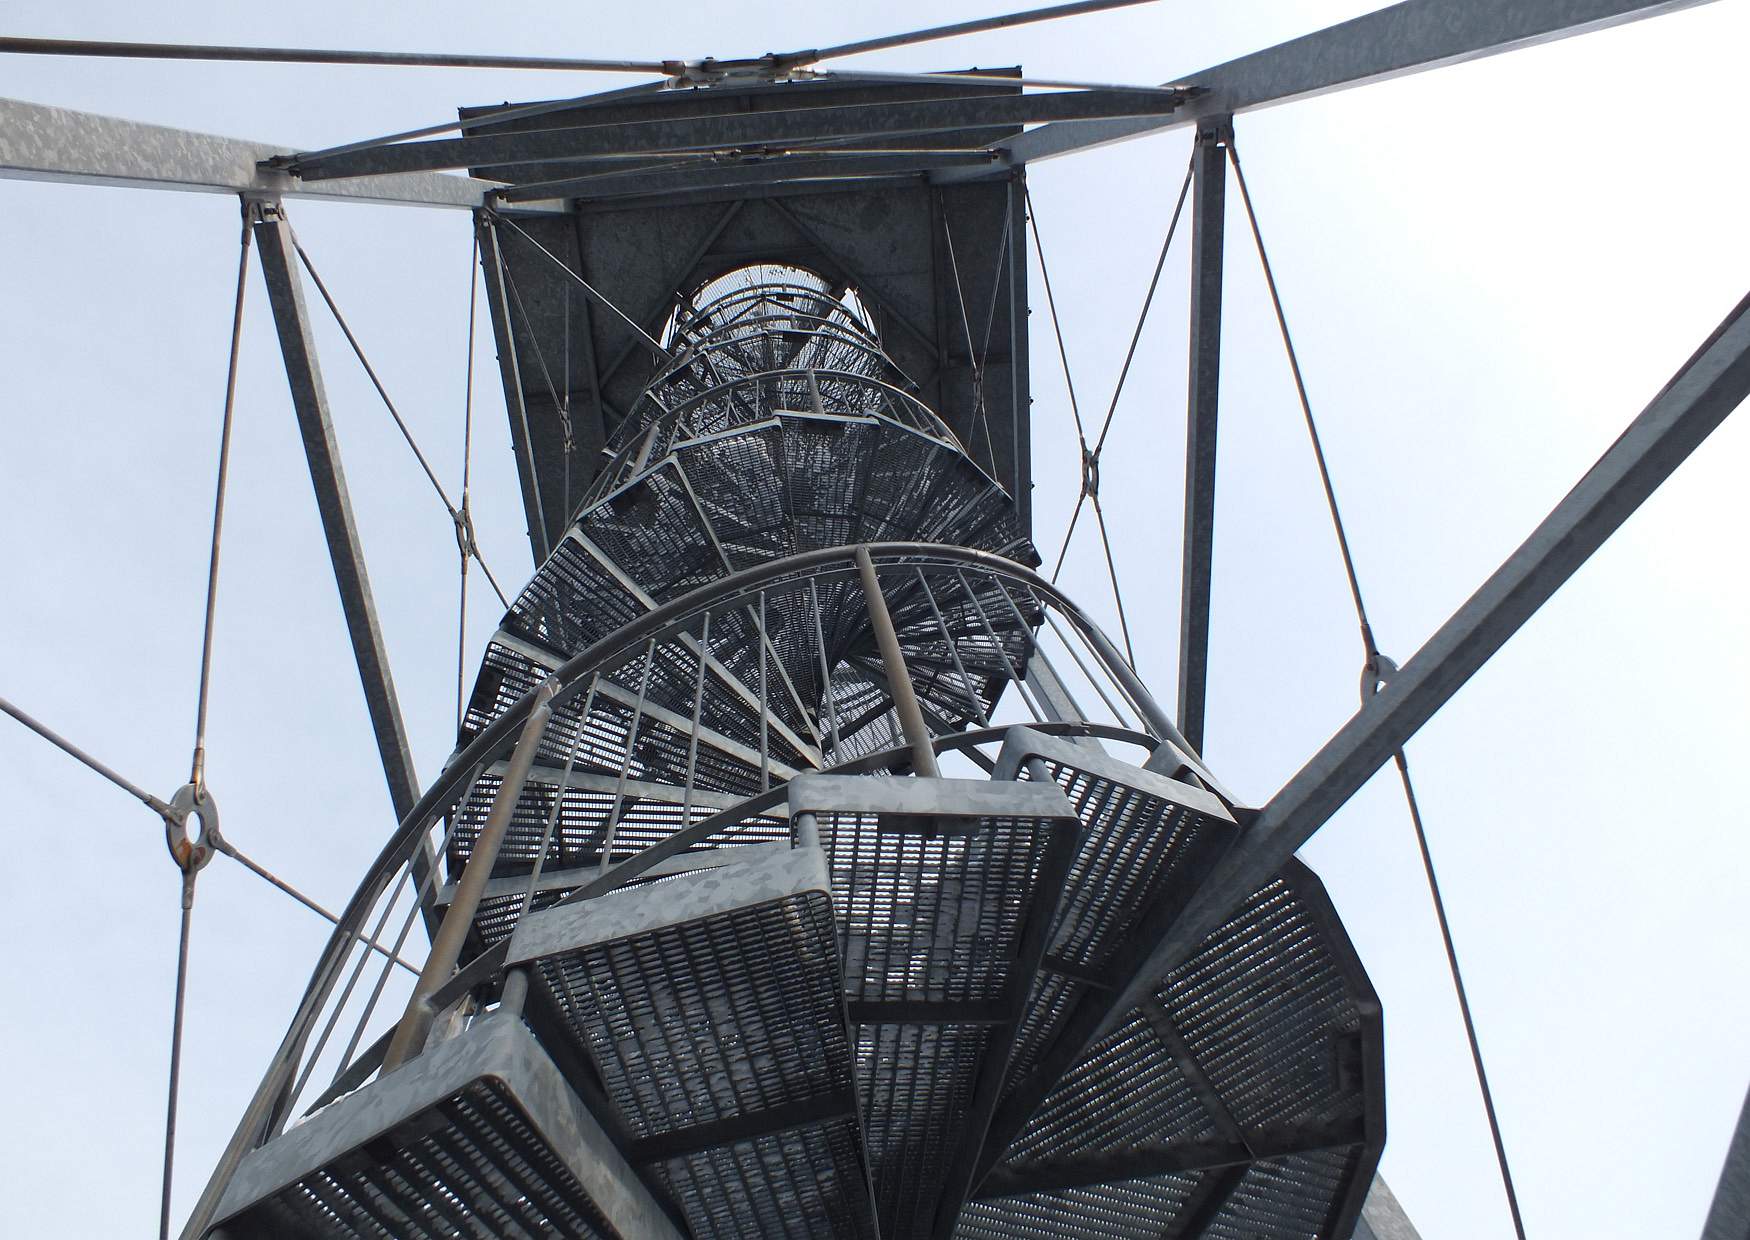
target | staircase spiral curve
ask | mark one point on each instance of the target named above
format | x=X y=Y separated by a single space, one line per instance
x=797 y=887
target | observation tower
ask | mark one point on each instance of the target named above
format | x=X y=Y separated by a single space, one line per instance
x=804 y=853
x=807 y=863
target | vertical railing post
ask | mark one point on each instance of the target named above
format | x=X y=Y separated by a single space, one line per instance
x=978 y=710
x=765 y=709
x=832 y=713
x=446 y=947
x=899 y=686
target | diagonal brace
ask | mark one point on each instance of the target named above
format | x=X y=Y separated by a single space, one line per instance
x=322 y=449
x=1698 y=398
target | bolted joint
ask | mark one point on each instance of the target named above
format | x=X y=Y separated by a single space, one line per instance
x=1217 y=130
x=192 y=854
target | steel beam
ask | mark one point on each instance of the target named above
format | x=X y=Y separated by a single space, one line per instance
x=310 y=401
x=1020 y=359
x=40 y=143
x=1205 y=1203
x=1405 y=38
x=708 y=174
x=1382 y=1218
x=1208 y=217
x=868 y=288
x=1729 y=1217
x=746 y=1126
x=498 y=309
x=1172 y=1159
x=785 y=128
x=1713 y=382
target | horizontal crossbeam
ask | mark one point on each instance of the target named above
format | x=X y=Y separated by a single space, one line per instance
x=1402 y=39
x=743 y=1127
x=41 y=143
x=928 y=1012
x=733 y=174
x=1172 y=1159
x=740 y=129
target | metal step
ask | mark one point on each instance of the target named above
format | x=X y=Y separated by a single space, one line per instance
x=945 y=889
x=710 y=1006
x=1240 y=1098
x=480 y=1137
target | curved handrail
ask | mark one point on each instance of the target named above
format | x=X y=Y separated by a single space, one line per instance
x=269 y=1105
x=618 y=453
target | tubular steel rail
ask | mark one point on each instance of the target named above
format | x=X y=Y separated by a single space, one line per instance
x=704 y=966
x=901 y=564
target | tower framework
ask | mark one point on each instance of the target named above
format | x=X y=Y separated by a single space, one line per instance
x=541 y=993
x=796 y=882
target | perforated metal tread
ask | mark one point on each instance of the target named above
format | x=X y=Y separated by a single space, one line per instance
x=710 y=1007
x=944 y=889
x=1247 y=1087
x=897 y=1044
x=481 y=1137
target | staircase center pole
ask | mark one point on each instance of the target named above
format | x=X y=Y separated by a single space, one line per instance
x=446 y=948
x=899 y=686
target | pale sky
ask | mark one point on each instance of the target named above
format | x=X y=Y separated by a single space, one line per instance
x=1489 y=269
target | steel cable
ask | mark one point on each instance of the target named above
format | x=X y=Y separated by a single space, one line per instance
x=1091 y=456
x=587 y=287
x=236 y=854
x=400 y=423
x=1374 y=669
x=197 y=775
x=972 y=356
x=73 y=751
x=175 y=1052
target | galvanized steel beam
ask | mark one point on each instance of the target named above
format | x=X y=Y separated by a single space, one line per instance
x=707 y=174
x=1172 y=1159
x=1405 y=38
x=744 y=129
x=40 y=143
x=1382 y=1218
x=1729 y=1216
x=1208 y=217
x=1020 y=484
x=1205 y=1202
x=334 y=503
x=498 y=309
x=1698 y=398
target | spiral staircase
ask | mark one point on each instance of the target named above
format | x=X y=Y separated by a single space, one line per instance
x=796 y=886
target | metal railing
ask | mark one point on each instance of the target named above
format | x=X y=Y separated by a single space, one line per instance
x=691 y=718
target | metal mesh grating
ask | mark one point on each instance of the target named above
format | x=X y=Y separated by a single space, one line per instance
x=700 y=1029
x=782 y=1071
x=1291 y=1198
x=1134 y=1210
x=470 y=1167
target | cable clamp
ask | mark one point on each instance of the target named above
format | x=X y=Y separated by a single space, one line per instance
x=1090 y=472
x=465 y=532
x=193 y=854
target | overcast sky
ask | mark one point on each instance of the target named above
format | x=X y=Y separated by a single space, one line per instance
x=1490 y=269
